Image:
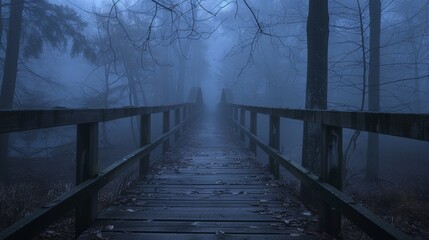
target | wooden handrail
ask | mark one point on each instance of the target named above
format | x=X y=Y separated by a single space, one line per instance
x=43 y=217
x=89 y=179
x=407 y=125
x=24 y=120
x=329 y=184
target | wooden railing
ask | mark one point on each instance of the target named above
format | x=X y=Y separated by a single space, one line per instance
x=83 y=197
x=328 y=185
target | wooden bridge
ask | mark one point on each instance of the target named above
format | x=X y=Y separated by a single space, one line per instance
x=208 y=185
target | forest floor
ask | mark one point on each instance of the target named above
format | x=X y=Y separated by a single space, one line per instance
x=20 y=199
x=36 y=182
x=398 y=204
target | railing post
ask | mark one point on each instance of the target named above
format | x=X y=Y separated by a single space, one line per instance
x=177 y=122
x=4 y=168
x=185 y=116
x=86 y=168
x=235 y=109
x=145 y=138
x=242 y=122
x=274 y=141
x=253 y=128
x=165 y=129
x=331 y=172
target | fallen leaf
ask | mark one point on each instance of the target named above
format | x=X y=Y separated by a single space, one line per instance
x=110 y=227
x=306 y=213
x=130 y=210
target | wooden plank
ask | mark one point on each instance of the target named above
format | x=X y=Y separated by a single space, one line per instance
x=213 y=236
x=263 y=228
x=261 y=187
x=198 y=203
x=221 y=190
x=187 y=214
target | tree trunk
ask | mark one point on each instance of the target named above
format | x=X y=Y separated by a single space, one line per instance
x=372 y=161
x=317 y=82
x=9 y=76
x=1 y=24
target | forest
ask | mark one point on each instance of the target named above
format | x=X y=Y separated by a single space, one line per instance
x=340 y=56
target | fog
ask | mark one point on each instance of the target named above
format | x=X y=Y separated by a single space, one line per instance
x=104 y=54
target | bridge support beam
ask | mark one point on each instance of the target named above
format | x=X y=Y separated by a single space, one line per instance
x=145 y=138
x=331 y=172
x=166 y=129
x=86 y=168
x=253 y=129
x=274 y=141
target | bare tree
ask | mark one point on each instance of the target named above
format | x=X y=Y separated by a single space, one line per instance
x=317 y=85
x=374 y=86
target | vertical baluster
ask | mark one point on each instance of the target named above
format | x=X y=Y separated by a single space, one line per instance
x=235 y=119
x=166 y=129
x=274 y=141
x=253 y=129
x=242 y=122
x=145 y=138
x=185 y=117
x=177 y=122
x=86 y=168
x=331 y=172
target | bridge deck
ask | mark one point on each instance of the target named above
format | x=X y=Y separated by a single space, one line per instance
x=206 y=187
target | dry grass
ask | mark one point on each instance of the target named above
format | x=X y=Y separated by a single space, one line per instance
x=399 y=205
x=20 y=199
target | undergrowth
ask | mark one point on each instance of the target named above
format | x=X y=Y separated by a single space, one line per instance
x=18 y=200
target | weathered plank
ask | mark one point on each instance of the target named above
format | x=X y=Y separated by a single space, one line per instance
x=206 y=187
x=208 y=236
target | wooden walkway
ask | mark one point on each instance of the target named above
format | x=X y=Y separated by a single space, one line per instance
x=208 y=186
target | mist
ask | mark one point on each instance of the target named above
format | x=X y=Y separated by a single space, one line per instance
x=67 y=55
